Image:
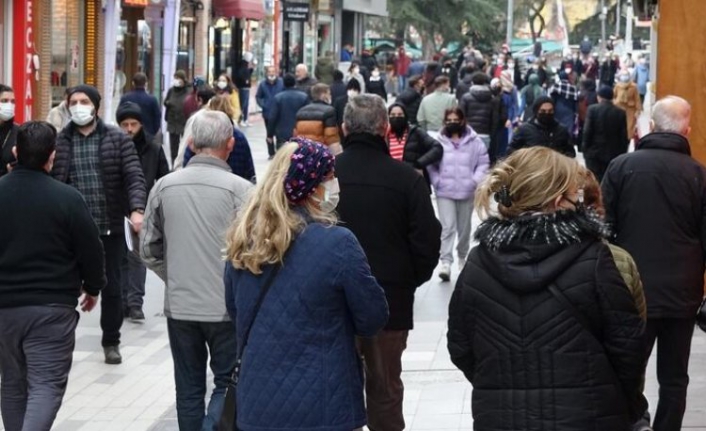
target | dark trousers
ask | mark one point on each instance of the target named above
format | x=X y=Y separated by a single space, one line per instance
x=270 y=146
x=244 y=94
x=191 y=343
x=174 y=139
x=134 y=277
x=111 y=296
x=384 y=390
x=36 y=350
x=597 y=166
x=673 y=338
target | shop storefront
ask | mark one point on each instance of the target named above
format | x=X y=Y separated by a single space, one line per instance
x=67 y=43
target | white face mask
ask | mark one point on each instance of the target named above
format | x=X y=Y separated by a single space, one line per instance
x=272 y=78
x=7 y=111
x=375 y=74
x=81 y=114
x=352 y=93
x=178 y=83
x=331 y=196
x=222 y=85
x=511 y=66
x=567 y=71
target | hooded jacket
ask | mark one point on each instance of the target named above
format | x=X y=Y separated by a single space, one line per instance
x=462 y=168
x=532 y=134
x=655 y=200
x=531 y=363
x=481 y=109
x=411 y=99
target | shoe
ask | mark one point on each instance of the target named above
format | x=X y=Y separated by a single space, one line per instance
x=445 y=272
x=112 y=355
x=136 y=315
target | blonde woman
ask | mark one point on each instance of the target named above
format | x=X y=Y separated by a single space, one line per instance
x=541 y=322
x=300 y=369
x=224 y=86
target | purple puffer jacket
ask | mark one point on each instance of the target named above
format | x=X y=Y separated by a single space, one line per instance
x=462 y=168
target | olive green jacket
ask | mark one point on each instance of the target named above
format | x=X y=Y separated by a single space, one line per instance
x=628 y=270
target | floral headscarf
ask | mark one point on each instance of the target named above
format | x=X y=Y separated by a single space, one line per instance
x=310 y=164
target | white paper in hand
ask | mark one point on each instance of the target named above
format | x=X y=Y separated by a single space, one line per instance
x=131 y=238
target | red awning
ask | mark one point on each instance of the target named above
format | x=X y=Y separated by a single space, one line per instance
x=249 y=9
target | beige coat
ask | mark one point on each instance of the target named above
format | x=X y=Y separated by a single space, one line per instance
x=627 y=97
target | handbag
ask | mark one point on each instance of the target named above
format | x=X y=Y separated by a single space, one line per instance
x=701 y=316
x=229 y=416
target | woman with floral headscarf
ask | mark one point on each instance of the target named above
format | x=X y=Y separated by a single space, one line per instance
x=300 y=368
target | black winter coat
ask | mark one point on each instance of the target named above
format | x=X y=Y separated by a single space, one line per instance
x=532 y=365
x=533 y=134
x=377 y=87
x=605 y=133
x=152 y=158
x=386 y=204
x=655 y=199
x=8 y=136
x=124 y=182
x=411 y=99
x=463 y=87
x=421 y=150
x=481 y=110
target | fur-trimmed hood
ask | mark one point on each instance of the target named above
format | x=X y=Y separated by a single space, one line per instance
x=529 y=252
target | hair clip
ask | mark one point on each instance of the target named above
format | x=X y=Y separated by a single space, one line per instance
x=502 y=196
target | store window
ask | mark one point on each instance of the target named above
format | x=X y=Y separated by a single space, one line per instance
x=134 y=48
x=66 y=47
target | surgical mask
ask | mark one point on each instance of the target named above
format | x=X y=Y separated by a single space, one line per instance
x=624 y=78
x=7 y=111
x=272 y=78
x=567 y=71
x=222 y=85
x=178 y=83
x=81 y=114
x=511 y=66
x=375 y=74
x=352 y=93
x=331 y=196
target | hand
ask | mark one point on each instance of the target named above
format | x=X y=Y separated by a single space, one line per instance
x=508 y=123
x=136 y=219
x=88 y=302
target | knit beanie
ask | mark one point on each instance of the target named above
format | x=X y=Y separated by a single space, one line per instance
x=538 y=102
x=128 y=110
x=311 y=162
x=90 y=91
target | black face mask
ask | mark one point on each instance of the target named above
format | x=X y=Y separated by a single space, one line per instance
x=454 y=128
x=545 y=118
x=398 y=124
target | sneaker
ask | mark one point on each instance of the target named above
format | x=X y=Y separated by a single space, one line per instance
x=112 y=355
x=136 y=315
x=445 y=272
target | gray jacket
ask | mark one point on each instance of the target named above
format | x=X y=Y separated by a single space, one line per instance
x=183 y=236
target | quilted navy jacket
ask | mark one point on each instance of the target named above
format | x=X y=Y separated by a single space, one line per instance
x=532 y=365
x=301 y=370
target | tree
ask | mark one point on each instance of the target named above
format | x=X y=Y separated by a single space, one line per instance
x=532 y=10
x=440 y=22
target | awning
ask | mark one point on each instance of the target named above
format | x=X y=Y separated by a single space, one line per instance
x=249 y=9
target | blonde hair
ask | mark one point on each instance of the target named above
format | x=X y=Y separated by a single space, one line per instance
x=222 y=103
x=533 y=177
x=266 y=227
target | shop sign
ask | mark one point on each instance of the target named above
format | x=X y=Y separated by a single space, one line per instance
x=23 y=70
x=136 y=3
x=296 y=11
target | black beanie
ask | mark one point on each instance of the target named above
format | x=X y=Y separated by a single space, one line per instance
x=538 y=102
x=90 y=91
x=605 y=92
x=128 y=110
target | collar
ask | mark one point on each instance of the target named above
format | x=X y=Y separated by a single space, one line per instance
x=665 y=141
x=23 y=169
x=369 y=140
x=208 y=161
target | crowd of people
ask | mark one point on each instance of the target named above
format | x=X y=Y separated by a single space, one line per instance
x=554 y=314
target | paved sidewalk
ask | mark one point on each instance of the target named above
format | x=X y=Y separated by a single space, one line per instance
x=139 y=394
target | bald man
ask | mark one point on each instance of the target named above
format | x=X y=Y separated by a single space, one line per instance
x=304 y=81
x=655 y=199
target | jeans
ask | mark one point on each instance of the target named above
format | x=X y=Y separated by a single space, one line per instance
x=384 y=390
x=36 y=350
x=191 y=343
x=244 y=94
x=455 y=216
x=673 y=338
x=134 y=276
x=401 y=83
x=112 y=296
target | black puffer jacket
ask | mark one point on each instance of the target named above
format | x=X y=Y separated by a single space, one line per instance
x=655 y=199
x=533 y=134
x=481 y=109
x=421 y=149
x=8 y=136
x=411 y=99
x=152 y=158
x=533 y=366
x=123 y=179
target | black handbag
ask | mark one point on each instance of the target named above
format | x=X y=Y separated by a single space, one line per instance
x=701 y=316
x=229 y=416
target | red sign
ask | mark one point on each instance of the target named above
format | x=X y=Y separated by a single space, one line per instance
x=23 y=59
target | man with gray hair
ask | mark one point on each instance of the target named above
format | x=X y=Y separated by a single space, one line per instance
x=655 y=199
x=183 y=235
x=386 y=204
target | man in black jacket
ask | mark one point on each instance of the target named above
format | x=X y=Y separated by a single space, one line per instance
x=154 y=166
x=386 y=204
x=412 y=97
x=655 y=199
x=101 y=162
x=543 y=130
x=605 y=134
x=50 y=255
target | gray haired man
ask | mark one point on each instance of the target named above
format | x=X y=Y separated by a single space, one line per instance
x=183 y=235
x=386 y=204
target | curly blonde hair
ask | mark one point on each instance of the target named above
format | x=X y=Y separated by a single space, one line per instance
x=266 y=227
x=532 y=179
